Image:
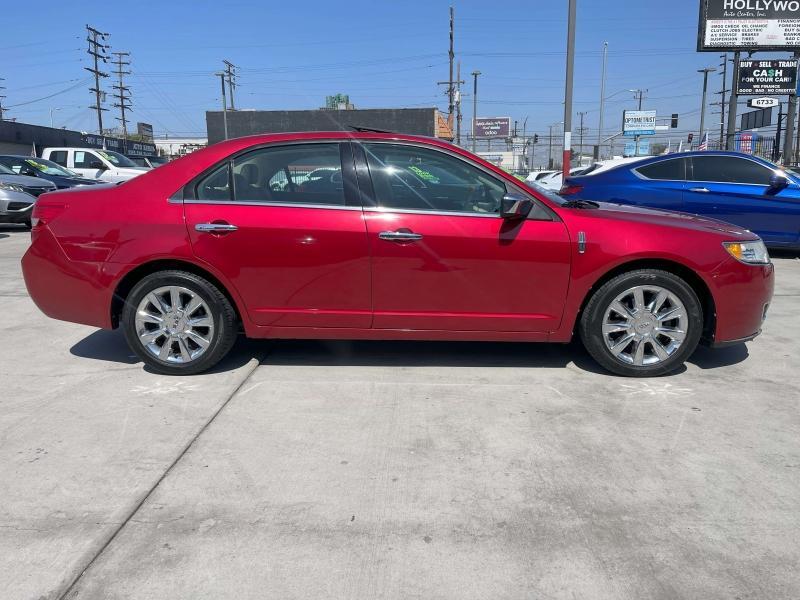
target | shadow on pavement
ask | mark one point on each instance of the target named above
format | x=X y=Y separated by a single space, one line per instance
x=111 y=346
x=4 y=235
x=711 y=358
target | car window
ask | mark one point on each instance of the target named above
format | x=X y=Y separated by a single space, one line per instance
x=412 y=178
x=59 y=157
x=672 y=169
x=216 y=185
x=729 y=169
x=296 y=174
x=84 y=160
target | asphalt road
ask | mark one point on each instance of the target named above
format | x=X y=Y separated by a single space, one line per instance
x=394 y=470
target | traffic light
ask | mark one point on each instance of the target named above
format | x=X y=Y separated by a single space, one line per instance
x=691 y=137
x=535 y=138
x=674 y=123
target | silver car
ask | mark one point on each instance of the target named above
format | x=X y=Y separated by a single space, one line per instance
x=18 y=194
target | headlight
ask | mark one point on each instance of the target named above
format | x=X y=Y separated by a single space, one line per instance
x=752 y=253
x=11 y=187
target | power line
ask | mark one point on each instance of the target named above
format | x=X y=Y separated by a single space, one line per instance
x=230 y=77
x=97 y=49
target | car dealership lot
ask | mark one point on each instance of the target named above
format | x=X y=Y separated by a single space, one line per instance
x=383 y=469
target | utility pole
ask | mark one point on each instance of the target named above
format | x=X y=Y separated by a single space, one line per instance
x=97 y=49
x=123 y=92
x=734 y=98
x=599 y=150
x=450 y=88
x=230 y=75
x=791 y=111
x=221 y=75
x=724 y=92
x=568 y=87
x=580 y=134
x=458 y=104
x=639 y=94
x=474 y=105
x=705 y=73
x=2 y=97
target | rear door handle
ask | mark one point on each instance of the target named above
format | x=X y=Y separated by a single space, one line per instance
x=700 y=190
x=215 y=227
x=399 y=236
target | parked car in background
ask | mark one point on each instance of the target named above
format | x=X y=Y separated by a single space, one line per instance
x=106 y=165
x=149 y=162
x=553 y=181
x=738 y=188
x=18 y=194
x=407 y=238
x=537 y=175
x=44 y=169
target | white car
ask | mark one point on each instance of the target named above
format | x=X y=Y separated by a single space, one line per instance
x=553 y=181
x=535 y=176
x=92 y=163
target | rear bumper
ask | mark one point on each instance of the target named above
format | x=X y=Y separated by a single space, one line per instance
x=742 y=296
x=65 y=289
x=15 y=207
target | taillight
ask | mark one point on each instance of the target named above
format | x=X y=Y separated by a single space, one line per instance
x=570 y=189
x=46 y=209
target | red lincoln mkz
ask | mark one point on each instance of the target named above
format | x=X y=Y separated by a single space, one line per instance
x=370 y=235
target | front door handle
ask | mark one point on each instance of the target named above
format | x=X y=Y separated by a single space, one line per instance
x=701 y=190
x=399 y=236
x=215 y=227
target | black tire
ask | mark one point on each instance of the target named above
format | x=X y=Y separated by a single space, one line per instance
x=222 y=314
x=591 y=324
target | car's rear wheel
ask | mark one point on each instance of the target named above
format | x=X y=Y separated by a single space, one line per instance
x=642 y=323
x=178 y=323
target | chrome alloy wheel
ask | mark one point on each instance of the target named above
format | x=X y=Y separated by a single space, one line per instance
x=645 y=325
x=174 y=324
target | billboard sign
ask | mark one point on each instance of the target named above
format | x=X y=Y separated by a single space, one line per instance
x=145 y=130
x=638 y=122
x=761 y=77
x=493 y=127
x=745 y=142
x=748 y=25
x=756 y=119
x=762 y=102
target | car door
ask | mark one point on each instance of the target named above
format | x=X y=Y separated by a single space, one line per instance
x=295 y=249
x=659 y=184
x=736 y=189
x=443 y=258
x=85 y=162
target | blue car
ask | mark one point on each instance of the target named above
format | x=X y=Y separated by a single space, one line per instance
x=728 y=186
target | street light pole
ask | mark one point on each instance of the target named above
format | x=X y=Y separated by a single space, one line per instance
x=474 y=105
x=51 y=115
x=599 y=150
x=705 y=73
x=568 y=87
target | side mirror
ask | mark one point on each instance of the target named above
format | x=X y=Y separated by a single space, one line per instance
x=96 y=164
x=777 y=182
x=515 y=206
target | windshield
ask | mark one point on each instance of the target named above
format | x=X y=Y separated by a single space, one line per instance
x=47 y=167
x=116 y=159
x=5 y=170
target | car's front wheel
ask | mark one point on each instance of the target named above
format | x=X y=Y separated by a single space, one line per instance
x=642 y=323
x=178 y=323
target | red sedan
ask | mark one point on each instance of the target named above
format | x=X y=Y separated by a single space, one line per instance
x=379 y=236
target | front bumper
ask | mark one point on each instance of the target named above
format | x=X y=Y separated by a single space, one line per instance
x=15 y=207
x=742 y=296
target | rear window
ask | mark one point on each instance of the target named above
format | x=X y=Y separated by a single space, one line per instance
x=673 y=169
x=59 y=157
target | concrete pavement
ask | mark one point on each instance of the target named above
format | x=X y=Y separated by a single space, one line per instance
x=395 y=470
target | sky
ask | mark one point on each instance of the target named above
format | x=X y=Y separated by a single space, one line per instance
x=383 y=54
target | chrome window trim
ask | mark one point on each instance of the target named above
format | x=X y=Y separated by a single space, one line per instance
x=441 y=213
x=275 y=204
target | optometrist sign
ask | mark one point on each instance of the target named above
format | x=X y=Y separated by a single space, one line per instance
x=638 y=122
x=767 y=77
x=748 y=25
